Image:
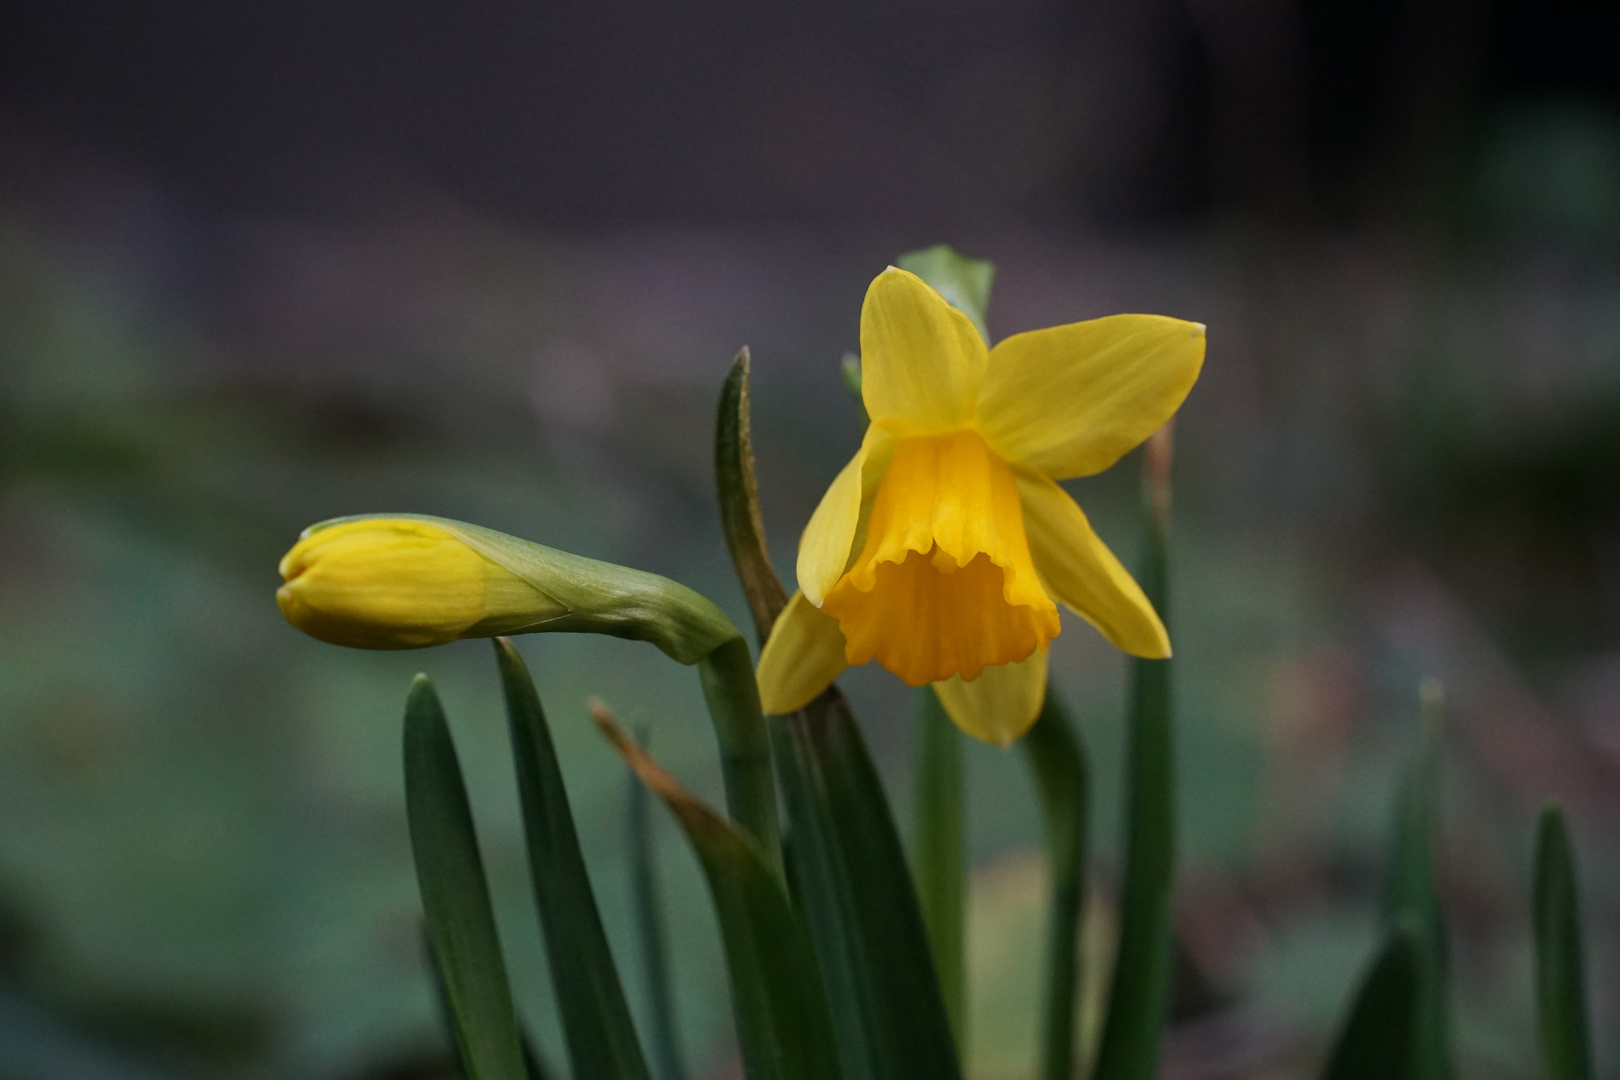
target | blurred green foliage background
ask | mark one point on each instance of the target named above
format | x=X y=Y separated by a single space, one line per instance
x=228 y=310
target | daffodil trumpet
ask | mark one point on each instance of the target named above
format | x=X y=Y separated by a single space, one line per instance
x=406 y=581
x=945 y=546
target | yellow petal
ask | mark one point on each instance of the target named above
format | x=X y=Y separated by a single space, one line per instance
x=825 y=546
x=1079 y=570
x=1071 y=399
x=921 y=359
x=944 y=583
x=1001 y=704
x=802 y=657
x=397 y=583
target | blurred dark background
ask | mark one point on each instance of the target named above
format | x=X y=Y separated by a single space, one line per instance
x=265 y=265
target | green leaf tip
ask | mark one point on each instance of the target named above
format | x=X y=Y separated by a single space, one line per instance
x=459 y=919
x=740 y=518
x=1561 y=1009
x=1411 y=893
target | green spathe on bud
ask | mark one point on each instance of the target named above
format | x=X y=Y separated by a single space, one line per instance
x=404 y=581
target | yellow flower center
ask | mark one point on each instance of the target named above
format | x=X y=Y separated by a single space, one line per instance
x=944 y=584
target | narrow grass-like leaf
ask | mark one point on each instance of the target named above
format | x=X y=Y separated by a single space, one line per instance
x=1057 y=758
x=1379 y=1037
x=739 y=500
x=649 y=916
x=596 y=1022
x=1566 y=1052
x=963 y=282
x=849 y=872
x=460 y=923
x=1139 y=996
x=938 y=860
x=783 y=1023
x=1411 y=898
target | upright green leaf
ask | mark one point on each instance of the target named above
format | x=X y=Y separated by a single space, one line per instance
x=1057 y=758
x=596 y=1021
x=1379 y=1038
x=938 y=859
x=849 y=874
x=963 y=282
x=649 y=916
x=783 y=1023
x=532 y=1061
x=1566 y=1052
x=739 y=500
x=462 y=939
x=1139 y=998
x=846 y=865
x=1410 y=895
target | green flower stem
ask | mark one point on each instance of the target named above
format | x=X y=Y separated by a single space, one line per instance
x=1057 y=758
x=745 y=754
x=937 y=858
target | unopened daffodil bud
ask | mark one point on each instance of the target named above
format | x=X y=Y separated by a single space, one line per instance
x=407 y=581
x=397 y=583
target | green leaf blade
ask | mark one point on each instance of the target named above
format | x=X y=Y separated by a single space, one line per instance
x=860 y=905
x=1411 y=895
x=784 y=1025
x=1057 y=759
x=602 y=1043
x=1561 y=1011
x=649 y=918
x=460 y=922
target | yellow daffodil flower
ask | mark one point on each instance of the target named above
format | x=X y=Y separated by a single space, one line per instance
x=944 y=547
